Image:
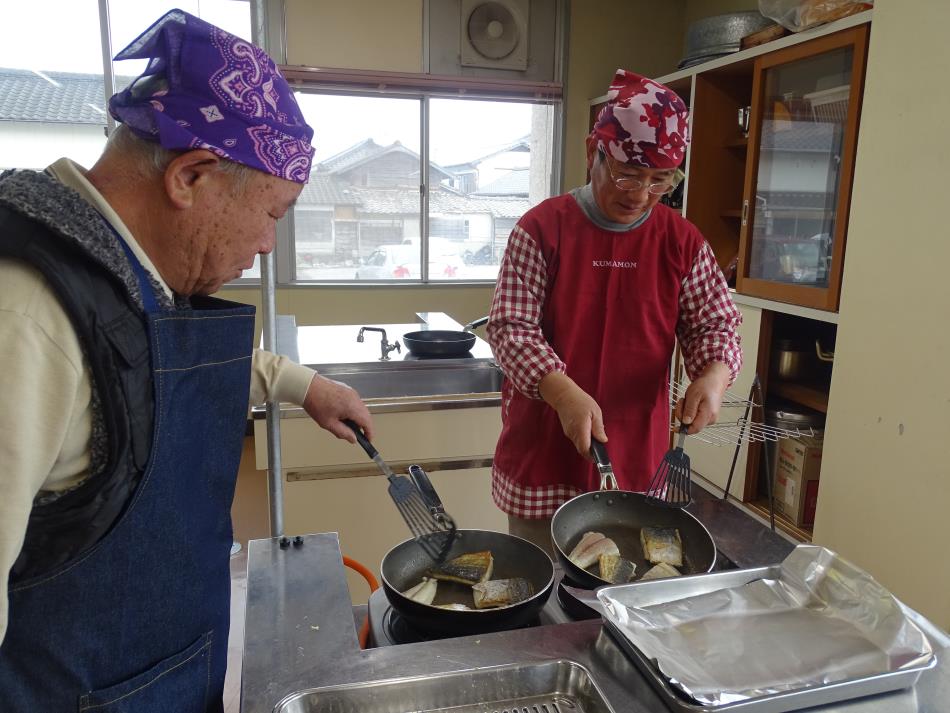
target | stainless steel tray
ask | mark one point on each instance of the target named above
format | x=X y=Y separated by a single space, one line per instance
x=649 y=593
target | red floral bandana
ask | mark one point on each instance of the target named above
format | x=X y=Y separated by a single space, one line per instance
x=643 y=124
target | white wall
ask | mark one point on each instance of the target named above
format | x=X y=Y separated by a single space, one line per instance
x=885 y=489
x=35 y=145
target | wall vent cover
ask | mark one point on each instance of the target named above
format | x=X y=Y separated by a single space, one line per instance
x=494 y=34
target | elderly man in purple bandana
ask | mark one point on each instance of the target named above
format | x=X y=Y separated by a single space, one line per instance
x=131 y=383
x=595 y=288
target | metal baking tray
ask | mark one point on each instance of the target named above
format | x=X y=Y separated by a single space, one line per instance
x=646 y=594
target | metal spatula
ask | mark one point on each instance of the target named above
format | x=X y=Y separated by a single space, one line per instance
x=671 y=485
x=432 y=533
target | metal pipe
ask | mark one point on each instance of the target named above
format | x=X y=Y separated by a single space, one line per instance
x=275 y=476
x=105 y=44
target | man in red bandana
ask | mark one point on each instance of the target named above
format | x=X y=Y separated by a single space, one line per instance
x=595 y=288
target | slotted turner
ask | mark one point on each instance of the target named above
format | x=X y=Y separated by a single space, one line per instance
x=671 y=484
x=433 y=533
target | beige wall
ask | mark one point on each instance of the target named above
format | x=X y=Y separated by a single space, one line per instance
x=885 y=487
x=356 y=34
x=638 y=35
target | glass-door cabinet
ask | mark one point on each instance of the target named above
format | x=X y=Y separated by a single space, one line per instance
x=806 y=105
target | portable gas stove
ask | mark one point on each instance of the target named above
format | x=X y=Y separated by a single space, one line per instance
x=387 y=627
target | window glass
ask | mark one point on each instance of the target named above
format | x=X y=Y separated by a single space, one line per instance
x=52 y=98
x=52 y=92
x=358 y=217
x=491 y=161
x=129 y=19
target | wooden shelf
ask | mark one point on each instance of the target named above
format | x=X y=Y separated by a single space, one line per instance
x=801 y=394
x=761 y=508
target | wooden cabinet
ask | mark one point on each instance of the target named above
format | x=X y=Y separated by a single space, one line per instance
x=805 y=108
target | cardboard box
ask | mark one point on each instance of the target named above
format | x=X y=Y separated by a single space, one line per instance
x=796 y=468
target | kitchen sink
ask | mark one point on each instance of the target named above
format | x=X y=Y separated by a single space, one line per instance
x=546 y=687
x=410 y=379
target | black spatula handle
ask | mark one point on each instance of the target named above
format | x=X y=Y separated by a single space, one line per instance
x=421 y=480
x=361 y=438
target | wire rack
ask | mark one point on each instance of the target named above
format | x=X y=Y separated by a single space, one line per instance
x=729 y=399
x=744 y=430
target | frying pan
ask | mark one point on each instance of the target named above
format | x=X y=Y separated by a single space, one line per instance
x=442 y=342
x=619 y=514
x=406 y=564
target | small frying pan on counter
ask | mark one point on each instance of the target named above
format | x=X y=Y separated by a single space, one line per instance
x=442 y=342
x=620 y=515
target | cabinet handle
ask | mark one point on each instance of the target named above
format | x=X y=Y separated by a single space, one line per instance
x=745 y=212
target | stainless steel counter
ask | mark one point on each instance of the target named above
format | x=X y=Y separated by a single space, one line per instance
x=299 y=634
x=326 y=346
x=402 y=382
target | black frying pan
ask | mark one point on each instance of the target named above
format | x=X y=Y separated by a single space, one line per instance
x=442 y=342
x=405 y=565
x=619 y=514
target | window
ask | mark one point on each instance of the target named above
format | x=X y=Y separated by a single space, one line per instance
x=489 y=162
x=53 y=92
x=489 y=157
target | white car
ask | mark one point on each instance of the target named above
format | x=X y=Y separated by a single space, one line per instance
x=396 y=262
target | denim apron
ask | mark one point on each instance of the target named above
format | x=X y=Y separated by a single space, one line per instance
x=139 y=622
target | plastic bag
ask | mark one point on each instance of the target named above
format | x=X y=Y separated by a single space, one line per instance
x=796 y=15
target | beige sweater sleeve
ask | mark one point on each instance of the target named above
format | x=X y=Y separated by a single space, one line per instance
x=278 y=378
x=45 y=427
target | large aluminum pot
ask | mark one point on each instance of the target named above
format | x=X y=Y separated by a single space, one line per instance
x=712 y=37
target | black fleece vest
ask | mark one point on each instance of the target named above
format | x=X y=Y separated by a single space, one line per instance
x=113 y=336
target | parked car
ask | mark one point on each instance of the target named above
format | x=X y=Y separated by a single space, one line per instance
x=396 y=262
x=481 y=256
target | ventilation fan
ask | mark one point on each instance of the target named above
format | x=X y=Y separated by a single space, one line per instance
x=494 y=34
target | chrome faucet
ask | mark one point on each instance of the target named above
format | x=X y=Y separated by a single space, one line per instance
x=384 y=346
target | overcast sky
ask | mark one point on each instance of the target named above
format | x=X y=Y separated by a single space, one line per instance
x=63 y=35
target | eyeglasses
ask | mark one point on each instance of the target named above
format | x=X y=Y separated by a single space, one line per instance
x=628 y=183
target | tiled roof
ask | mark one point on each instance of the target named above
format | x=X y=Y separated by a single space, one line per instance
x=368 y=150
x=323 y=189
x=514 y=182
x=70 y=98
x=350 y=157
x=800 y=135
x=399 y=201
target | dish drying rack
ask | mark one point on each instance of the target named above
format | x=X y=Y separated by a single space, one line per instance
x=742 y=430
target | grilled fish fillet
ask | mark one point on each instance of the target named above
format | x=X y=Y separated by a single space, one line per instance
x=470 y=568
x=660 y=571
x=501 y=592
x=424 y=592
x=590 y=548
x=615 y=569
x=454 y=607
x=662 y=544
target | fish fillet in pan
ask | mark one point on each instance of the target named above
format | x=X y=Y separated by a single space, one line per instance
x=590 y=548
x=660 y=571
x=662 y=545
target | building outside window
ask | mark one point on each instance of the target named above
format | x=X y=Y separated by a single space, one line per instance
x=489 y=158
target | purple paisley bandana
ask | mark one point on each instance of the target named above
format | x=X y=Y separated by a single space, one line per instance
x=643 y=124
x=204 y=88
